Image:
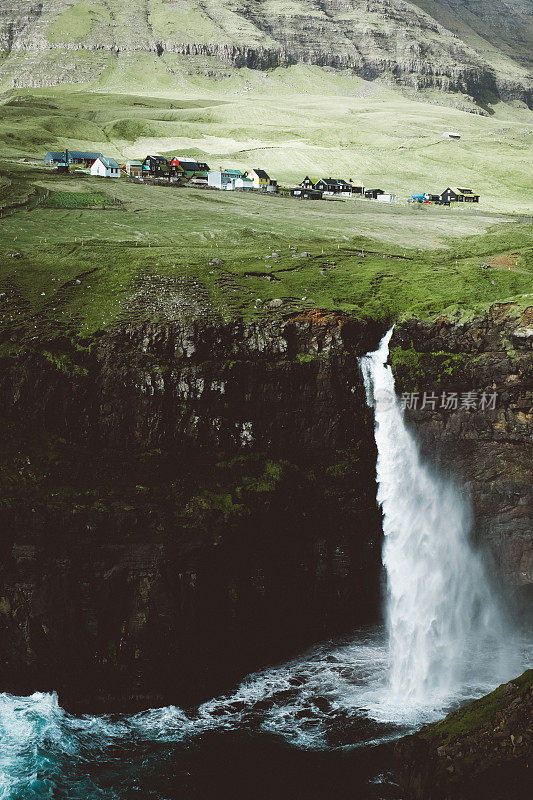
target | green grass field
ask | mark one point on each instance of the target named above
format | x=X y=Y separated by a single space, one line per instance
x=78 y=254
x=292 y=122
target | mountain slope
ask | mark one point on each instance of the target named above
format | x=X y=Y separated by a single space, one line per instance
x=451 y=45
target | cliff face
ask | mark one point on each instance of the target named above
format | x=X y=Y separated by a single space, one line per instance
x=184 y=503
x=489 y=450
x=417 y=44
x=482 y=750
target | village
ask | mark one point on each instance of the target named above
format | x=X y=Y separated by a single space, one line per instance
x=186 y=171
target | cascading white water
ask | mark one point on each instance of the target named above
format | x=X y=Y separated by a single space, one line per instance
x=442 y=615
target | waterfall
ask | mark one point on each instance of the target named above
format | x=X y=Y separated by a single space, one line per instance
x=444 y=624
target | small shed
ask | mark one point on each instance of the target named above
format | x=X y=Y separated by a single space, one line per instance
x=451 y=135
x=134 y=169
x=306 y=194
x=386 y=197
x=105 y=168
x=244 y=184
x=373 y=194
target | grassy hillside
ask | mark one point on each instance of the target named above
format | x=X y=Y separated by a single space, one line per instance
x=78 y=254
x=292 y=122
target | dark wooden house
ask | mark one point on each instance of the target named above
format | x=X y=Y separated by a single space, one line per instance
x=467 y=196
x=459 y=196
x=156 y=166
x=334 y=186
x=190 y=167
x=307 y=183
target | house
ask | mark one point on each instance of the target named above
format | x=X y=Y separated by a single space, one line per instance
x=459 y=196
x=224 y=178
x=467 y=196
x=243 y=184
x=306 y=194
x=386 y=197
x=333 y=186
x=373 y=194
x=156 y=166
x=105 y=168
x=307 y=183
x=260 y=178
x=449 y=196
x=134 y=169
x=190 y=167
x=82 y=157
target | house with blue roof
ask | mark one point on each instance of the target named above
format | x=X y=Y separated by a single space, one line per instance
x=80 y=157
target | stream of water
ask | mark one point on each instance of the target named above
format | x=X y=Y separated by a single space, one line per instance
x=317 y=726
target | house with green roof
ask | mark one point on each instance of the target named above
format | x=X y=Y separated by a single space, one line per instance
x=105 y=168
x=224 y=179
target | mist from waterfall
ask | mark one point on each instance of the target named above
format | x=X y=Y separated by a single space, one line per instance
x=444 y=623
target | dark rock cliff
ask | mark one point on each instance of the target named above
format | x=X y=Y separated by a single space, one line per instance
x=483 y=750
x=183 y=504
x=489 y=450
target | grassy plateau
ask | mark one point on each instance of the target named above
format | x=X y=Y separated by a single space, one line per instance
x=80 y=253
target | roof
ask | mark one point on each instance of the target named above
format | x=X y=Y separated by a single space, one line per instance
x=109 y=163
x=262 y=174
x=134 y=163
x=235 y=172
x=74 y=154
x=334 y=182
x=466 y=191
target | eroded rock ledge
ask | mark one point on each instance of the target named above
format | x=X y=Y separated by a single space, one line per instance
x=483 y=750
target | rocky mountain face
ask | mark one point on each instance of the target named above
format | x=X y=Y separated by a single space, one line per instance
x=481 y=750
x=489 y=450
x=183 y=504
x=452 y=45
